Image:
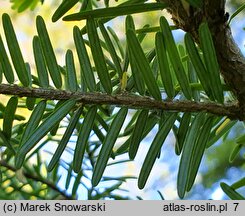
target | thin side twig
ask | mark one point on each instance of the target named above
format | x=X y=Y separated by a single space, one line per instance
x=38 y=179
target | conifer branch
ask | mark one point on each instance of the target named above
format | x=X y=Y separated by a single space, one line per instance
x=132 y=101
x=38 y=179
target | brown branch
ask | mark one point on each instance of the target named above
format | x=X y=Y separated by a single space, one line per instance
x=36 y=178
x=131 y=101
x=230 y=58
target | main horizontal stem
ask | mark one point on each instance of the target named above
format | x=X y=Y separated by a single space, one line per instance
x=128 y=100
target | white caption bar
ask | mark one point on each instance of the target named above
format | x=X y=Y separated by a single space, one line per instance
x=124 y=208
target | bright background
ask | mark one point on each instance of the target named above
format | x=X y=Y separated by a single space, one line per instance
x=215 y=166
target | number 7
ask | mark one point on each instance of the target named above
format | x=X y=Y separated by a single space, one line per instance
x=236 y=205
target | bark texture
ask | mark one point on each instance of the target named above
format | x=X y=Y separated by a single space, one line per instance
x=230 y=58
x=131 y=101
